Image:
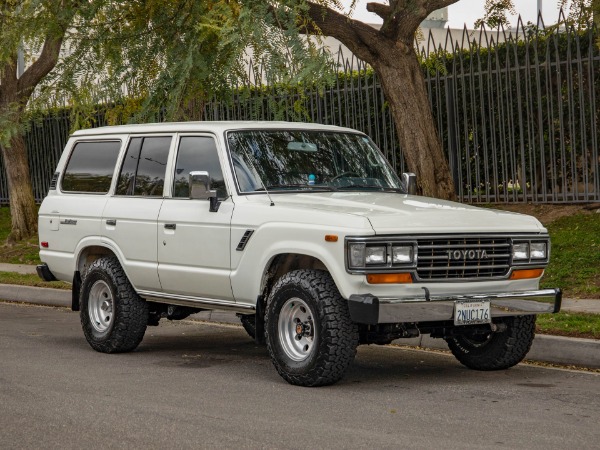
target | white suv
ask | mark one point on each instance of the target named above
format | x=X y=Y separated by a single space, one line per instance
x=304 y=230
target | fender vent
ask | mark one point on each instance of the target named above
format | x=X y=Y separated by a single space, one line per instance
x=54 y=181
x=245 y=238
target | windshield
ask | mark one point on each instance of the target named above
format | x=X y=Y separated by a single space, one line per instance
x=283 y=160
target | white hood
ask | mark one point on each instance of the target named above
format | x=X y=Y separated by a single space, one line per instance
x=391 y=213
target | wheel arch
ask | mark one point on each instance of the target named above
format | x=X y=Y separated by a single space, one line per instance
x=283 y=263
x=85 y=257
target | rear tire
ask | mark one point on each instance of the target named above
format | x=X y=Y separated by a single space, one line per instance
x=309 y=334
x=113 y=316
x=496 y=351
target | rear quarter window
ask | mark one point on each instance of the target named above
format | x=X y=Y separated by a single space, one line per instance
x=91 y=167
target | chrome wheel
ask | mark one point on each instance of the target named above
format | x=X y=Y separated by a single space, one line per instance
x=296 y=329
x=101 y=306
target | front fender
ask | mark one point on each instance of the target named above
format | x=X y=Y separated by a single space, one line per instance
x=275 y=239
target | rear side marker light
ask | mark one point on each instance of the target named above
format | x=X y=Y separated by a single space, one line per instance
x=389 y=278
x=526 y=274
x=44 y=244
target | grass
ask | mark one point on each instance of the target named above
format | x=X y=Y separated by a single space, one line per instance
x=30 y=280
x=575 y=256
x=570 y=324
x=24 y=252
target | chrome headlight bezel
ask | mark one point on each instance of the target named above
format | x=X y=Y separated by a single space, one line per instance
x=530 y=251
x=381 y=255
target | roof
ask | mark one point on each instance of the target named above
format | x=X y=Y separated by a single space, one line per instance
x=215 y=127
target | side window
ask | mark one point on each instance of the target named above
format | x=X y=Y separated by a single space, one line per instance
x=91 y=167
x=144 y=166
x=197 y=153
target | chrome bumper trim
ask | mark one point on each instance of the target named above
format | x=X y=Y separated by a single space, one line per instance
x=371 y=310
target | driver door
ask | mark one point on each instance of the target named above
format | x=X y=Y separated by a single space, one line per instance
x=193 y=242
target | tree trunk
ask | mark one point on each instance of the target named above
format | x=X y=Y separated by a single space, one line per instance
x=14 y=95
x=404 y=88
x=390 y=52
x=23 y=210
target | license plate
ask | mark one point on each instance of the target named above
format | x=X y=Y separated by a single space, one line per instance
x=470 y=313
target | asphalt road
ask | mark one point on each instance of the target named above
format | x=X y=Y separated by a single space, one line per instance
x=192 y=385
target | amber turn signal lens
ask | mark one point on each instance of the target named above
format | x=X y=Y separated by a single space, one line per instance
x=526 y=273
x=331 y=238
x=385 y=278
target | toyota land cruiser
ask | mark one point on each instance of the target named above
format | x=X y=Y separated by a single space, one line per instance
x=304 y=230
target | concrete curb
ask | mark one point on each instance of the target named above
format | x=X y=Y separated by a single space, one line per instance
x=35 y=295
x=545 y=348
x=552 y=349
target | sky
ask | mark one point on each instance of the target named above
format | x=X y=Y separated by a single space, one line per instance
x=468 y=11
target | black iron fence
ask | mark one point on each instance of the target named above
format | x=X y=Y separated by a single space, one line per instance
x=519 y=118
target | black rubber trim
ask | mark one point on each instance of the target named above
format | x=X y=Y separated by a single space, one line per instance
x=364 y=309
x=76 y=288
x=558 y=301
x=44 y=272
x=259 y=324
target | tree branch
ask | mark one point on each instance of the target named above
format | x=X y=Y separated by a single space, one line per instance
x=404 y=17
x=354 y=34
x=51 y=49
x=381 y=10
x=432 y=5
x=42 y=66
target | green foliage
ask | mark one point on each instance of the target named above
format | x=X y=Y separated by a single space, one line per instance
x=164 y=53
x=22 y=252
x=575 y=260
x=496 y=14
x=580 y=13
x=31 y=280
x=570 y=324
x=530 y=100
x=168 y=53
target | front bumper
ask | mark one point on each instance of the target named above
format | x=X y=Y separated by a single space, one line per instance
x=371 y=310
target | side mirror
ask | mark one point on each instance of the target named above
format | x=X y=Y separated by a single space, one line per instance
x=410 y=182
x=200 y=189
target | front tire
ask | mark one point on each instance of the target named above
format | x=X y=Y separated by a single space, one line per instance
x=495 y=351
x=113 y=316
x=309 y=334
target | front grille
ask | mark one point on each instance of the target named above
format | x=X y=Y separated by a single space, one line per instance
x=463 y=258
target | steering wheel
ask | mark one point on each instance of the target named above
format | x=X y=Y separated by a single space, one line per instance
x=345 y=174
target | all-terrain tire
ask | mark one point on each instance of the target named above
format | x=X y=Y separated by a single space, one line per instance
x=113 y=316
x=497 y=351
x=249 y=324
x=327 y=329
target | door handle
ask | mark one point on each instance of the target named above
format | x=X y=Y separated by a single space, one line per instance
x=170 y=226
x=111 y=222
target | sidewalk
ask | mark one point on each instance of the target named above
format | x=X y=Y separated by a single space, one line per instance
x=545 y=348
